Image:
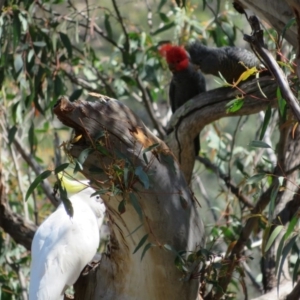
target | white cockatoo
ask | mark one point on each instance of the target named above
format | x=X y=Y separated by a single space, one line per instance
x=63 y=245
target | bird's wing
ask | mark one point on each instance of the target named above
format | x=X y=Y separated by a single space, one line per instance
x=172 y=92
x=61 y=248
x=46 y=281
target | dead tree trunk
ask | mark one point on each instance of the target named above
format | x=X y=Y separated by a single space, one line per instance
x=148 y=201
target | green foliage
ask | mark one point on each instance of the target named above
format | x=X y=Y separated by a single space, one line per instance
x=50 y=48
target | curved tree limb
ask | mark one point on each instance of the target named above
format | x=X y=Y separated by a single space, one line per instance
x=16 y=226
x=230 y=185
x=207 y=107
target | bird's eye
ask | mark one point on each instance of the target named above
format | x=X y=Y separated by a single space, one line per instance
x=98 y=197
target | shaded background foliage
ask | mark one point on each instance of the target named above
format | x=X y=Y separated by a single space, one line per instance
x=52 y=48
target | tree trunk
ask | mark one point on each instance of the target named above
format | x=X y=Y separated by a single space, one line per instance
x=147 y=198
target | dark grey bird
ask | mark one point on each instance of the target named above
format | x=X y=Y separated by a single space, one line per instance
x=187 y=80
x=231 y=62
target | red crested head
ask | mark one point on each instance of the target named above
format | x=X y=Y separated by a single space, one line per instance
x=176 y=57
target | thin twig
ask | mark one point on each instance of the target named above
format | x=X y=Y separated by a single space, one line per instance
x=149 y=107
x=94 y=27
x=37 y=170
x=205 y=196
x=120 y=19
x=22 y=280
x=257 y=43
x=232 y=146
x=235 y=190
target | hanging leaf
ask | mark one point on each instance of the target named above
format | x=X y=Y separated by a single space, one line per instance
x=291 y=227
x=125 y=175
x=136 y=229
x=84 y=155
x=11 y=134
x=37 y=181
x=255 y=178
x=273 y=196
x=135 y=203
x=183 y=202
x=286 y=250
x=281 y=104
x=75 y=95
x=259 y=144
x=61 y=168
x=296 y=270
x=107 y=25
x=143 y=177
x=18 y=63
x=31 y=138
x=266 y=122
x=154 y=146
x=122 y=207
x=67 y=43
x=146 y=248
x=141 y=243
x=278 y=254
x=164 y=28
x=273 y=236
x=65 y=200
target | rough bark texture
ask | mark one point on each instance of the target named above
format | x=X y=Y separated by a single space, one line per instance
x=211 y=106
x=12 y=223
x=167 y=211
x=276 y=13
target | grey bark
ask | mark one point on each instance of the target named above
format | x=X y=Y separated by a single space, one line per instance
x=167 y=211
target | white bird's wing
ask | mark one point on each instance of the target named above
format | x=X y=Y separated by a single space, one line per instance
x=62 y=246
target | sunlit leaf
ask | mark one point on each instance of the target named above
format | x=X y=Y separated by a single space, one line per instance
x=39 y=44
x=281 y=104
x=245 y=75
x=273 y=236
x=291 y=227
x=234 y=105
x=18 y=62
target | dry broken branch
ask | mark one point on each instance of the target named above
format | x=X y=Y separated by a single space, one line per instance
x=146 y=196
